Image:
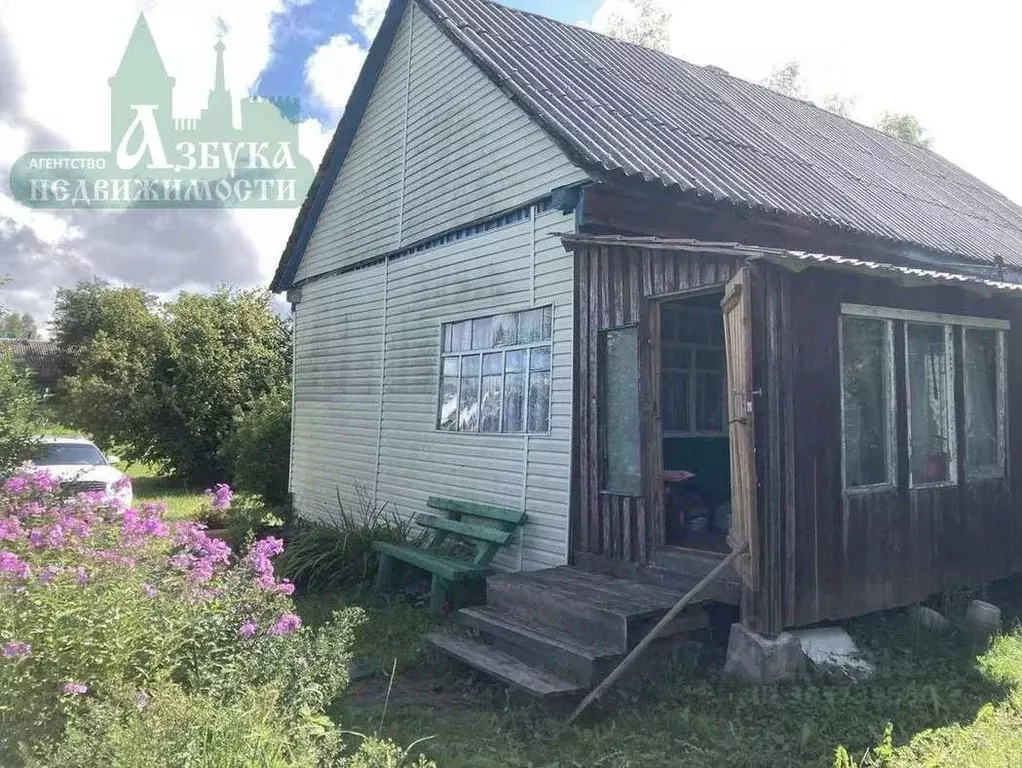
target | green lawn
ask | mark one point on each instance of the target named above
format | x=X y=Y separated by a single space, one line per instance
x=688 y=714
x=183 y=502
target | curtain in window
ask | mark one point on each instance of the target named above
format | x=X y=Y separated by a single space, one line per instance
x=982 y=440
x=929 y=389
x=865 y=382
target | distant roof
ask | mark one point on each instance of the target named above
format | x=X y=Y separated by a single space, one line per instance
x=43 y=357
x=623 y=111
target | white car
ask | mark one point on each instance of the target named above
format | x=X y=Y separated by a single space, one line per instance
x=81 y=466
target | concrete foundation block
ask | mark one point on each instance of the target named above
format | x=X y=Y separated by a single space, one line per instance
x=982 y=619
x=929 y=619
x=757 y=659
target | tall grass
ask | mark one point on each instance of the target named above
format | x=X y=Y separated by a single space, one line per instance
x=336 y=552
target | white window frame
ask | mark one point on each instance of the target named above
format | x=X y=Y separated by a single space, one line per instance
x=998 y=470
x=949 y=321
x=442 y=354
x=952 y=406
x=891 y=415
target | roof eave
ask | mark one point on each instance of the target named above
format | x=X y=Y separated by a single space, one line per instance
x=337 y=150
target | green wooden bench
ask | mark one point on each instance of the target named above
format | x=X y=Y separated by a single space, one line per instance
x=487 y=538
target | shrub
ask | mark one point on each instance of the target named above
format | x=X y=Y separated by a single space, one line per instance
x=337 y=552
x=166 y=380
x=19 y=417
x=256 y=454
x=100 y=600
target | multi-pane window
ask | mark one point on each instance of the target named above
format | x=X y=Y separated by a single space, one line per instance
x=931 y=404
x=983 y=355
x=693 y=370
x=495 y=373
x=943 y=355
x=867 y=397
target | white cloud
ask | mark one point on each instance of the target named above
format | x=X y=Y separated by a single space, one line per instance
x=954 y=70
x=368 y=16
x=332 y=70
x=55 y=60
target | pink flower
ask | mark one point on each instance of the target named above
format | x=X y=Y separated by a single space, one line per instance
x=48 y=574
x=16 y=485
x=10 y=529
x=11 y=564
x=149 y=589
x=248 y=629
x=16 y=648
x=221 y=496
x=81 y=575
x=285 y=625
x=286 y=587
x=75 y=689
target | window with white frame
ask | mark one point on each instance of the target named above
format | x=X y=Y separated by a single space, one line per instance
x=693 y=371
x=985 y=401
x=929 y=356
x=495 y=373
x=867 y=401
x=938 y=349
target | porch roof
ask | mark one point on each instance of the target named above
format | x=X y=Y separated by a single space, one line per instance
x=797 y=261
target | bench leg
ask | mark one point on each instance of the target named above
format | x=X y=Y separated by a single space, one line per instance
x=437 y=594
x=383 y=573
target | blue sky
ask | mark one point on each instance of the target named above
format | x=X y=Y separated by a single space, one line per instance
x=302 y=28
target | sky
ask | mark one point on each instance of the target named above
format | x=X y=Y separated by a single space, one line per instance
x=952 y=65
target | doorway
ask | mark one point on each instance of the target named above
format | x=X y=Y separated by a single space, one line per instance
x=695 y=455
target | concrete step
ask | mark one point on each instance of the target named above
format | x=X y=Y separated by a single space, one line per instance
x=535 y=681
x=538 y=644
x=592 y=608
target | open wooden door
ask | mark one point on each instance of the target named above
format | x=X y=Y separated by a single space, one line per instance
x=736 y=306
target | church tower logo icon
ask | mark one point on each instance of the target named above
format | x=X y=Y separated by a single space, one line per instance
x=158 y=160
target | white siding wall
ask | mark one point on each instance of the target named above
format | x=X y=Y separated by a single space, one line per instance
x=340 y=321
x=439 y=146
x=338 y=356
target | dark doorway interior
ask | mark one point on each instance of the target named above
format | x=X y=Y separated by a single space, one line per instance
x=693 y=402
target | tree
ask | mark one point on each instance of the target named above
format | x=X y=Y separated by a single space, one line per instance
x=903 y=126
x=787 y=79
x=166 y=381
x=644 y=22
x=15 y=326
x=840 y=104
x=20 y=417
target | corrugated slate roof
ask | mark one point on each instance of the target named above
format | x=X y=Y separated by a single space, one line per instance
x=799 y=260
x=622 y=109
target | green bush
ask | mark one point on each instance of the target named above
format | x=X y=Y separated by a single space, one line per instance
x=337 y=552
x=257 y=453
x=99 y=600
x=20 y=417
x=165 y=381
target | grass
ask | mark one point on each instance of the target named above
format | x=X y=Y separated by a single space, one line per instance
x=183 y=502
x=949 y=702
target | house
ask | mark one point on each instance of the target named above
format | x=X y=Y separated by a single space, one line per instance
x=546 y=269
x=42 y=359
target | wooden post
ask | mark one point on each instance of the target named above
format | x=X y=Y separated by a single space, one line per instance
x=653 y=633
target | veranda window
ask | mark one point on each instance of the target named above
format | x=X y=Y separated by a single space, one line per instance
x=867 y=389
x=694 y=369
x=984 y=401
x=495 y=373
x=930 y=376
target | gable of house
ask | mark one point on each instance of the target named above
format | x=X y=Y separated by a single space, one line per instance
x=437 y=146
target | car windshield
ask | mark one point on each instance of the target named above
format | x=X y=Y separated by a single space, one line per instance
x=70 y=453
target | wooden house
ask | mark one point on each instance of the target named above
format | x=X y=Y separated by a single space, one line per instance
x=549 y=270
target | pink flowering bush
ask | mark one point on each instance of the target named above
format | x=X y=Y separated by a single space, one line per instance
x=96 y=599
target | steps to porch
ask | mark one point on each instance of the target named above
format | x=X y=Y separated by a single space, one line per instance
x=558 y=632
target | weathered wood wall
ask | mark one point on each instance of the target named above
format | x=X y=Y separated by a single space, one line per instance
x=614 y=287
x=829 y=554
